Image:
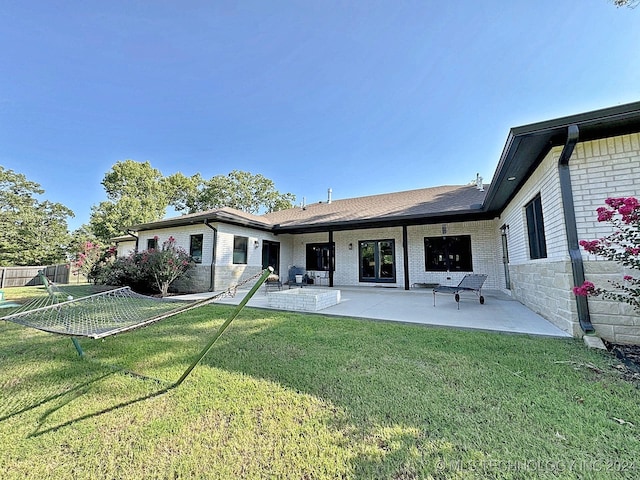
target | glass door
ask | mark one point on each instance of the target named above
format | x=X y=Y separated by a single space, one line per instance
x=271 y=255
x=377 y=261
x=505 y=258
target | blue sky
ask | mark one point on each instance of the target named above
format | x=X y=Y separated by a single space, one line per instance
x=364 y=97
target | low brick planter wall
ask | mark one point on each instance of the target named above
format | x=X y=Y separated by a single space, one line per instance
x=303 y=299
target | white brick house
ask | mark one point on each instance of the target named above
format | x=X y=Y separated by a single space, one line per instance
x=521 y=231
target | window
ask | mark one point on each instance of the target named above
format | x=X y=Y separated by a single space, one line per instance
x=195 y=248
x=240 y=249
x=448 y=254
x=535 y=229
x=319 y=256
x=152 y=243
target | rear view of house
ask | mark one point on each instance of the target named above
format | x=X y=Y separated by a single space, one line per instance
x=521 y=230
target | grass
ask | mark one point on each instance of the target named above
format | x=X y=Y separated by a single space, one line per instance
x=286 y=395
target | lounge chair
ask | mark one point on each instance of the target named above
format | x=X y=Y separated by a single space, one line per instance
x=470 y=283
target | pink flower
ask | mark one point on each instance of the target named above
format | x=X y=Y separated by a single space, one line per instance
x=614 y=202
x=625 y=210
x=590 y=246
x=633 y=250
x=586 y=289
x=627 y=278
x=631 y=202
x=604 y=214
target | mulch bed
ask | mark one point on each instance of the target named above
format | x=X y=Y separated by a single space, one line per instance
x=629 y=356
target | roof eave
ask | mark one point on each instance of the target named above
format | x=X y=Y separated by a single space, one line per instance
x=526 y=147
x=194 y=220
x=406 y=220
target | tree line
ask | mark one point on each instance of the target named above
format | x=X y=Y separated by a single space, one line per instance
x=35 y=232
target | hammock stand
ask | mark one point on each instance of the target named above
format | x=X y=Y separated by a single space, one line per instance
x=51 y=318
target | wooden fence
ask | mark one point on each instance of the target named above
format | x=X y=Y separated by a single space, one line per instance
x=28 y=276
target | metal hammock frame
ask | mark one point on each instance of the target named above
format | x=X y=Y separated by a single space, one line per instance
x=58 y=317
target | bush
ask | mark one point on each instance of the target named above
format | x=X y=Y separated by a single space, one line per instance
x=151 y=271
x=622 y=246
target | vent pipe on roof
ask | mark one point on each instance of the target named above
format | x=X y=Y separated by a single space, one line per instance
x=329 y=195
x=479 y=184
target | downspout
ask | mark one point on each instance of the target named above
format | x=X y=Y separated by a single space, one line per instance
x=130 y=232
x=212 y=280
x=566 y=191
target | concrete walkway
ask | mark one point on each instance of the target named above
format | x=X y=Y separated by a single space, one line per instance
x=499 y=313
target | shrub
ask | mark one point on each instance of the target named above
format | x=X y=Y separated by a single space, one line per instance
x=153 y=270
x=165 y=265
x=622 y=246
x=85 y=260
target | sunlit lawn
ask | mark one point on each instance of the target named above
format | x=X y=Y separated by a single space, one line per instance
x=285 y=395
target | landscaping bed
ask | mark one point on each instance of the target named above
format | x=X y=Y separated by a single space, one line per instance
x=629 y=356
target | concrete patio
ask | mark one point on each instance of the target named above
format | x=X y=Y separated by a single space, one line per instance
x=499 y=313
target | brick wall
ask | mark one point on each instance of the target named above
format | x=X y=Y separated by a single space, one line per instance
x=599 y=169
x=226 y=273
x=543 y=285
x=483 y=243
x=483 y=253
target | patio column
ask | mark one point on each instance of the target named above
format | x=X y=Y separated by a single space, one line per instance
x=405 y=256
x=332 y=257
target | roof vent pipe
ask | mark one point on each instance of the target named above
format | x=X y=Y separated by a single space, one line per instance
x=479 y=184
x=329 y=195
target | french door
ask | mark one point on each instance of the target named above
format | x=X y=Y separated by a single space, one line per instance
x=377 y=261
x=271 y=255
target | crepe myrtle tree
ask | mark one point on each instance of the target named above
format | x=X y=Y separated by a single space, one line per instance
x=165 y=264
x=89 y=254
x=622 y=246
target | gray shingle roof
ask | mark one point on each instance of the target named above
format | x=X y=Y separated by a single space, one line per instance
x=448 y=199
x=398 y=206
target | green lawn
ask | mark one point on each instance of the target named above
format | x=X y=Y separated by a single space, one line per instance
x=286 y=395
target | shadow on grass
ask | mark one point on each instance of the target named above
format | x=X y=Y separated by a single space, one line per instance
x=157 y=339
x=79 y=392
x=73 y=391
x=396 y=385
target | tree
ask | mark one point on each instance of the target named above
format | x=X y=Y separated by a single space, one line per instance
x=88 y=255
x=626 y=3
x=143 y=271
x=136 y=192
x=34 y=232
x=240 y=190
x=166 y=264
x=622 y=246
